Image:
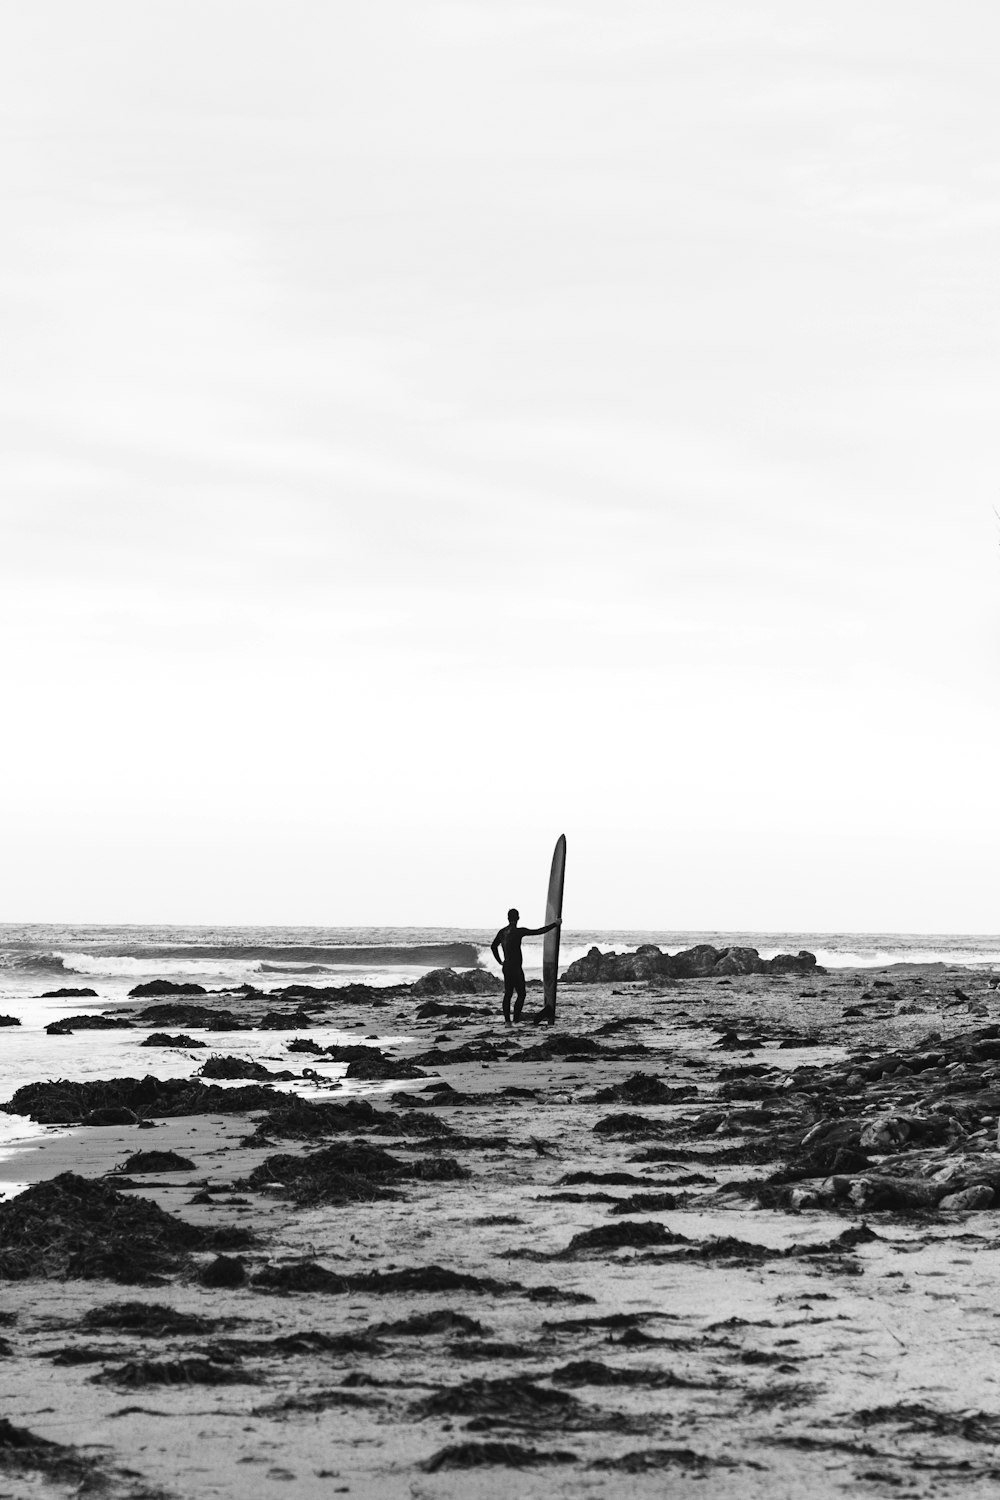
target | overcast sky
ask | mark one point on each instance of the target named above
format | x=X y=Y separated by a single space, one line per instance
x=426 y=428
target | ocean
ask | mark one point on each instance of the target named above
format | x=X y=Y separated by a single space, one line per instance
x=110 y=960
x=38 y=957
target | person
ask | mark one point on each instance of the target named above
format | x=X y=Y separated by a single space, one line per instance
x=509 y=939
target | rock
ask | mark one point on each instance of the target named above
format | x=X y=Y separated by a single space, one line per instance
x=802 y=962
x=59 y=1028
x=165 y=987
x=871 y=1194
x=9 y=1021
x=738 y=961
x=885 y=1135
x=978 y=1196
x=114 y=1115
x=447 y=982
x=276 y=1020
x=69 y=995
x=701 y=962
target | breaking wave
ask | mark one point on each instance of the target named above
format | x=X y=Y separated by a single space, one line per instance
x=253 y=958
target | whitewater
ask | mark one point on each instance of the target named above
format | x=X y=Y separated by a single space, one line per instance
x=35 y=958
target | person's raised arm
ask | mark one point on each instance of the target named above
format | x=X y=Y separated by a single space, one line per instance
x=537 y=931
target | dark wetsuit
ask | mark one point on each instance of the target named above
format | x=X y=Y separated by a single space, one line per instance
x=509 y=938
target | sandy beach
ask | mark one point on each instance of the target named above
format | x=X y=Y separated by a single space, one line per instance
x=576 y=1261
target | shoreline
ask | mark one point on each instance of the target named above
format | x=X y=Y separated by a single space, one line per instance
x=669 y=1390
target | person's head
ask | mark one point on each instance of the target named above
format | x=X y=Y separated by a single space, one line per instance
x=513 y=914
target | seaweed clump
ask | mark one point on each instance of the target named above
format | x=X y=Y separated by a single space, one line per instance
x=79 y=1229
x=24 y=1452
x=348 y=1172
x=63 y=1102
x=494 y=1455
x=306 y=1119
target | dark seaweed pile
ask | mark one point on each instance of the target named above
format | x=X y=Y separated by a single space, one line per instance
x=347 y=1172
x=77 y=1228
x=67 y=1103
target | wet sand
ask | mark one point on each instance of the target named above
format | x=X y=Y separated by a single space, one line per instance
x=706 y=1338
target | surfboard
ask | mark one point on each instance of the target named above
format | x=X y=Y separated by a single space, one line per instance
x=550 y=942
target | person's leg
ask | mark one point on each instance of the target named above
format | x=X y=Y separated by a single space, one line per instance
x=521 y=993
x=508 y=990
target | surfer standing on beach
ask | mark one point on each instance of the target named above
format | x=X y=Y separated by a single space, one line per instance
x=509 y=939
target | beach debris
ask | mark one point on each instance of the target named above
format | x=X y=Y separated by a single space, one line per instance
x=488 y=1350
x=307 y=1341
x=317 y=1401
x=183 y=1013
x=165 y=987
x=24 y=1452
x=162 y=1039
x=514 y=1399
x=292 y=1020
x=914 y=1416
x=633 y=1234
x=595 y=1372
x=346 y=1172
x=494 y=1455
x=97 y=1023
x=192 y=1370
x=77 y=1228
x=381 y=1067
x=475 y=1051
x=62 y=1102
x=560 y=1044
x=309 y=1276
x=650 y=1203
x=641 y=1088
x=305 y=1119
x=224 y=1271
x=223 y=1065
x=437 y=1008
x=609 y=1179
x=448 y=982
x=156 y=1161
x=518 y=1401
x=636 y=1126
x=146 y=1320
x=647 y=1460
x=625 y=1023
x=438 y=1320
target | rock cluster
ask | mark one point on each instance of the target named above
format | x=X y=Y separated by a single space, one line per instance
x=700 y=962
